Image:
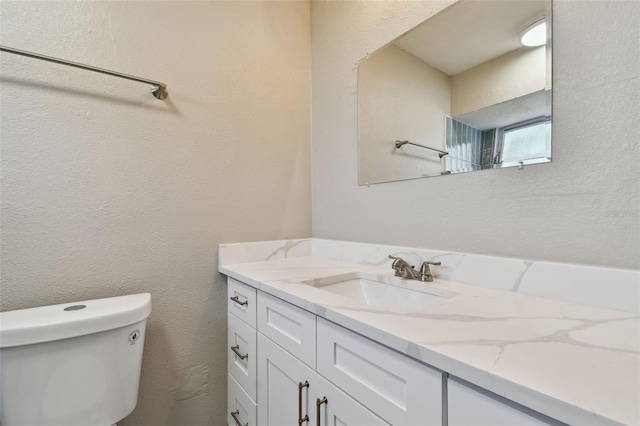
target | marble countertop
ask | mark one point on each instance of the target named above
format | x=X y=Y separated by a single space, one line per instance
x=575 y=363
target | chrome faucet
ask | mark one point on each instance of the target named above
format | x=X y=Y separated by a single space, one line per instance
x=404 y=270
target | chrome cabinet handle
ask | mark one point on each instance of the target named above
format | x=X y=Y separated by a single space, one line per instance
x=319 y=402
x=237 y=300
x=237 y=352
x=306 y=416
x=234 y=414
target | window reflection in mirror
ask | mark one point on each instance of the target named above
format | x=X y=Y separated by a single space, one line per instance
x=461 y=82
x=526 y=143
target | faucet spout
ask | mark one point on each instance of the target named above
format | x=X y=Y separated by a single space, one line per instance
x=403 y=269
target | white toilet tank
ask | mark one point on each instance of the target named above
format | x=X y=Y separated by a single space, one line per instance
x=75 y=364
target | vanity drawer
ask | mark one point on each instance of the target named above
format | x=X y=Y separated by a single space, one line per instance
x=240 y=404
x=289 y=326
x=398 y=389
x=242 y=301
x=242 y=343
x=469 y=404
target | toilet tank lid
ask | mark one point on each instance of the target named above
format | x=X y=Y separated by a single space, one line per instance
x=55 y=322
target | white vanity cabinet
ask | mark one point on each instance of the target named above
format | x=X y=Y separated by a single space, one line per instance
x=273 y=350
x=292 y=393
x=289 y=389
x=287 y=366
x=242 y=354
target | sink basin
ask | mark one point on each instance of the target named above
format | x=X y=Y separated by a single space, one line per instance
x=387 y=293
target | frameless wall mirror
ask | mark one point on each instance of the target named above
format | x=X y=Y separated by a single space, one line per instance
x=469 y=89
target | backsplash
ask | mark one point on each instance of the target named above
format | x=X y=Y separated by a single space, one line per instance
x=609 y=288
x=229 y=254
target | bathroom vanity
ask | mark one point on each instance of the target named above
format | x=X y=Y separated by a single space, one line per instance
x=318 y=341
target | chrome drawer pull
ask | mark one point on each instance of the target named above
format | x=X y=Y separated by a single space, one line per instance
x=234 y=414
x=237 y=300
x=237 y=352
x=319 y=402
x=306 y=417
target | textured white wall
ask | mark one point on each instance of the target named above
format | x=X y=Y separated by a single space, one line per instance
x=399 y=96
x=582 y=208
x=108 y=191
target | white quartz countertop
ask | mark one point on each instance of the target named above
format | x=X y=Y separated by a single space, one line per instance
x=574 y=363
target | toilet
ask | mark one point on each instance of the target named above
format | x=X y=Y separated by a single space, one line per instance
x=74 y=364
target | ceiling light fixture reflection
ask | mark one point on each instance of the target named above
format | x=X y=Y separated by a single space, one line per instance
x=535 y=34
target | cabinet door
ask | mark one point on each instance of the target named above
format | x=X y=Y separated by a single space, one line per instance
x=339 y=408
x=279 y=376
x=469 y=405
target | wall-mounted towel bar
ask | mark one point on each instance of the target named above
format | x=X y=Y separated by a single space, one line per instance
x=158 y=89
x=440 y=153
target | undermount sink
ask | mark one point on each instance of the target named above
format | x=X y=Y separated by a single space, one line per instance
x=388 y=293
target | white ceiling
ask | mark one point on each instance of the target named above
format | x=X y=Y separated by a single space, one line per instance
x=471 y=32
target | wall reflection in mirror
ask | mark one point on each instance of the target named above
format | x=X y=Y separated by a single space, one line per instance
x=469 y=89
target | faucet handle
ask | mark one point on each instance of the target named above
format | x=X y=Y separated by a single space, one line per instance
x=425 y=271
x=396 y=261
